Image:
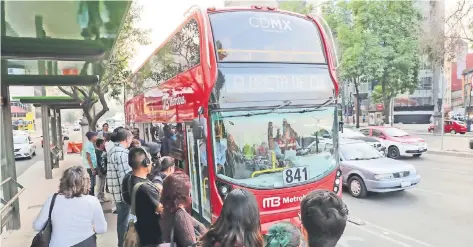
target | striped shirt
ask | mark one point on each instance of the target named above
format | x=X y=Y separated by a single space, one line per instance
x=117 y=168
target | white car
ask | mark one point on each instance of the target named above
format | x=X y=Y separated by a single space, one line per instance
x=23 y=147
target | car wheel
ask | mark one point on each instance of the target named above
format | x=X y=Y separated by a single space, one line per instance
x=462 y=133
x=417 y=155
x=357 y=187
x=453 y=132
x=34 y=153
x=393 y=152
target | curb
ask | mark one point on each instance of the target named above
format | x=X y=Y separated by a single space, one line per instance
x=451 y=153
x=439 y=135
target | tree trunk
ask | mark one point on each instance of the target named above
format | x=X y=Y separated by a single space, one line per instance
x=358 y=108
x=435 y=87
x=386 y=101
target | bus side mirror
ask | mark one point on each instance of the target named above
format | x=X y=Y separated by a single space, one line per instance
x=198 y=130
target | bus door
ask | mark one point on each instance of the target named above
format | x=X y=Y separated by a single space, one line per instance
x=198 y=173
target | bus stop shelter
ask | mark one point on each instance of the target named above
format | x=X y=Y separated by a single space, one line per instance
x=47 y=38
x=51 y=107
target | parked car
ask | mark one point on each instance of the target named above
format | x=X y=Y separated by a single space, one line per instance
x=23 y=146
x=398 y=142
x=451 y=126
x=365 y=169
x=356 y=135
x=65 y=137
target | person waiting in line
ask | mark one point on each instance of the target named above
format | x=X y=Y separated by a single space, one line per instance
x=136 y=136
x=166 y=166
x=238 y=224
x=175 y=198
x=117 y=168
x=101 y=168
x=283 y=234
x=146 y=198
x=167 y=143
x=73 y=208
x=103 y=133
x=324 y=218
x=89 y=159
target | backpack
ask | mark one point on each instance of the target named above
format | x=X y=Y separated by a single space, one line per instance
x=132 y=238
x=103 y=163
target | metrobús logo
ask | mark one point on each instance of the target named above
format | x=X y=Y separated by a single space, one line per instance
x=276 y=201
x=172 y=101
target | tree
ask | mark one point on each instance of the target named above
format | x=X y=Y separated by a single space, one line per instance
x=70 y=117
x=296 y=6
x=117 y=67
x=378 y=41
x=179 y=54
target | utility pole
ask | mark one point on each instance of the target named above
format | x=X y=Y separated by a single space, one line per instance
x=344 y=111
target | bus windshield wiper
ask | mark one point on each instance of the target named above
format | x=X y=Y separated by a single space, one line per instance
x=317 y=108
x=250 y=114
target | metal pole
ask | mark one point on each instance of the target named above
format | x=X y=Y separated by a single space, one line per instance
x=61 y=137
x=48 y=170
x=391 y=121
x=344 y=111
x=442 y=119
x=8 y=168
x=54 y=158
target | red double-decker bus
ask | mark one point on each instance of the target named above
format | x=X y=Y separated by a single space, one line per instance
x=255 y=93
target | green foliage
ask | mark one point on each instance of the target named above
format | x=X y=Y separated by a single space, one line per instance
x=116 y=71
x=377 y=94
x=296 y=6
x=379 y=40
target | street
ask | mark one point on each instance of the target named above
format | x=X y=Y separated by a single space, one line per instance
x=437 y=213
x=23 y=164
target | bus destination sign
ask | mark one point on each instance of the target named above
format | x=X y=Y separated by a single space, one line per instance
x=277 y=83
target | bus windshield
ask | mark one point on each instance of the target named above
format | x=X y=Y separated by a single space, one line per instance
x=257 y=148
x=269 y=37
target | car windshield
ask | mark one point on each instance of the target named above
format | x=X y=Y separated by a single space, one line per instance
x=359 y=151
x=349 y=133
x=264 y=149
x=20 y=139
x=395 y=132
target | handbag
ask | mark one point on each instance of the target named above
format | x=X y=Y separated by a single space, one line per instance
x=132 y=239
x=43 y=237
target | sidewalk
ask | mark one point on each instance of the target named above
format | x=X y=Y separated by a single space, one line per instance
x=38 y=189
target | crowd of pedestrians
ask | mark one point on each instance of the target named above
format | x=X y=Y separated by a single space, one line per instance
x=155 y=197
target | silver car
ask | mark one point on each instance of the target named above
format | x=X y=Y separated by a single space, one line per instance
x=365 y=170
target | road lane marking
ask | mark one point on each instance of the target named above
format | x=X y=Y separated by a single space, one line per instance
x=392 y=240
x=399 y=234
x=464 y=198
x=345 y=241
x=445 y=170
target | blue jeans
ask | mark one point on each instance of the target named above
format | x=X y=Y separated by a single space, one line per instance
x=92 y=182
x=123 y=216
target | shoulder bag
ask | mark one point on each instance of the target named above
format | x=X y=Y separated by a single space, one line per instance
x=43 y=237
x=132 y=238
